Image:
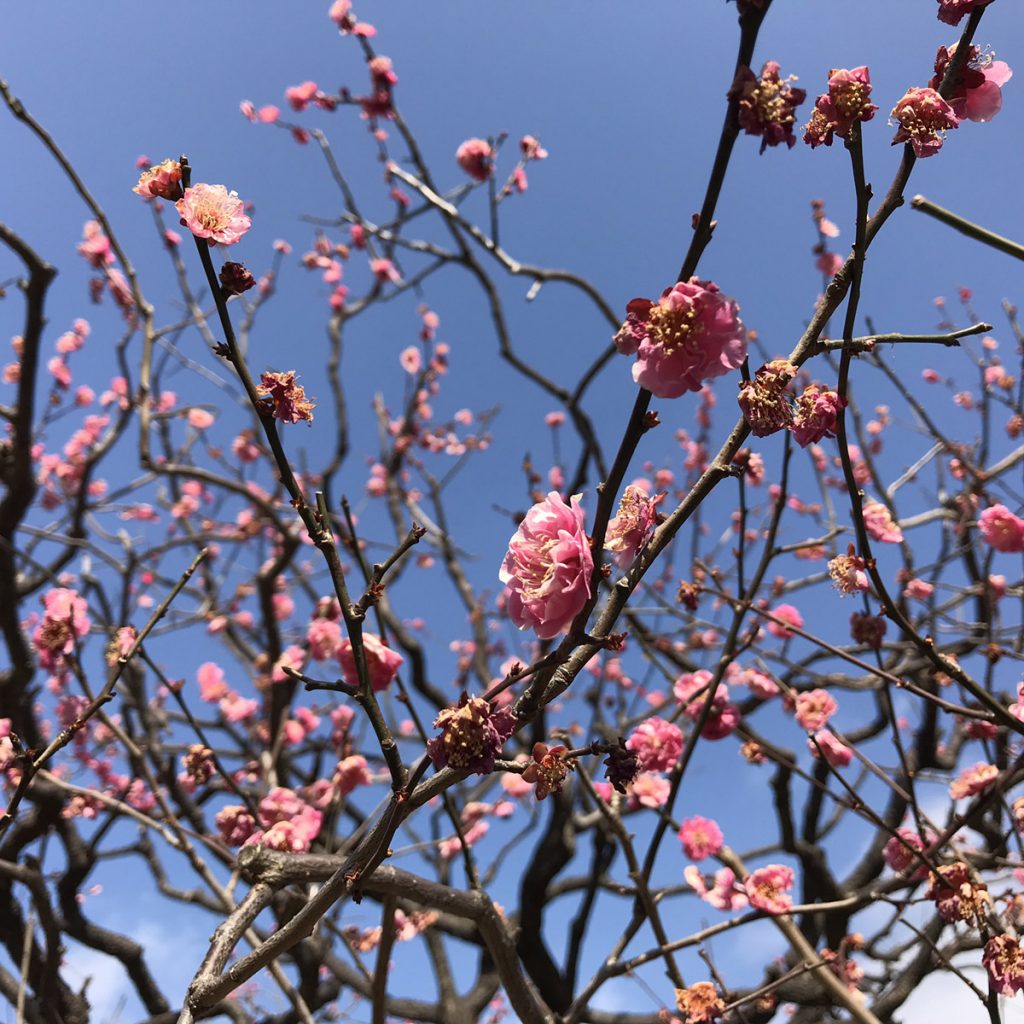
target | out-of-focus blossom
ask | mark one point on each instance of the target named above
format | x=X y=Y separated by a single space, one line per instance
x=476 y=158
x=701 y=837
x=548 y=566
x=1001 y=529
x=768 y=888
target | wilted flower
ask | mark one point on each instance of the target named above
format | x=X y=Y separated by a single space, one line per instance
x=924 y=117
x=973 y=780
x=548 y=769
x=286 y=400
x=848 y=572
x=548 y=566
x=1004 y=960
x=235 y=279
x=957 y=896
x=214 y=213
x=815 y=415
x=868 y=629
x=767 y=104
x=763 y=400
x=690 y=335
x=621 y=766
x=472 y=735
x=700 y=1003
x=952 y=11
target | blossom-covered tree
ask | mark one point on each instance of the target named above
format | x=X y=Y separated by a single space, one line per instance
x=408 y=736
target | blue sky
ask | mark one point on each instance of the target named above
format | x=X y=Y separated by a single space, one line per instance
x=629 y=101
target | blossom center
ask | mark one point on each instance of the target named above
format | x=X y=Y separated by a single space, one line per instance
x=672 y=327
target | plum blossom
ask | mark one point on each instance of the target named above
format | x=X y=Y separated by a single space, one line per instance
x=763 y=399
x=952 y=11
x=723 y=894
x=1004 y=960
x=648 y=790
x=351 y=773
x=789 y=616
x=162 y=181
x=699 y=1003
x=214 y=213
x=382 y=663
x=767 y=104
x=900 y=858
x=826 y=744
x=476 y=158
x=548 y=566
x=657 y=744
x=878 y=521
x=1001 y=529
x=973 y=780
x=768 y=888
x=285 y=399
x=548 y=769
x=701 y=837
x=235 y=824
x=690 y=335
x=631 y=528
x=848 y=572
x=978 y=96
x=814 y=415
x=846 y=103
x=472 y=735
x=957 y=896
x=724 y=715
x=64 y=623
x=814 y=709
x=924 y=118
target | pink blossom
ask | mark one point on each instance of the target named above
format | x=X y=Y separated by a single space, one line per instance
x=351 y=773
x=300 y=96
x=767 y=104
x=384 y=271
x=879 y=523
x=789 y=616
x=723 y=717
x=1001 y=529
x=1004 y=960
x=828 y=745
x=814 y=709
x=918 y=590
x=64 y=623
x=768 y=888
x=924 y=117
x=95 y=246
x=411 y=360
x=978 y=96
x=973 y=780
x=690 y=335
x=382 y=663
x=210 y=677
x=211 y=212
x=901 y=859
x=815 y=413
x=648 y=790
x=323 y=638
x=631 y=528
x=236 y=708
x=548 y=566
x=200 y=418
x=848 y=573
x=952 y=11
x=162 y=181
x=845 y=104
x=532 y=149
x=724 y=893
x=285 y=398
x=657 y=743
x=701 y=837
x=235 y=824
x=476 y=158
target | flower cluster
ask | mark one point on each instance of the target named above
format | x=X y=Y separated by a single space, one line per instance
x=548 y=566
x=690 y=335
x=767 y=104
